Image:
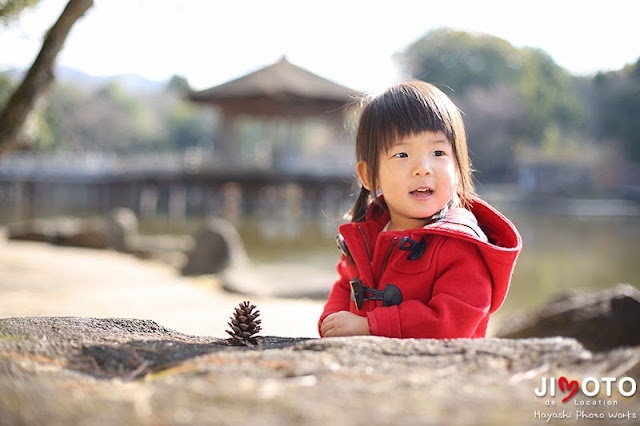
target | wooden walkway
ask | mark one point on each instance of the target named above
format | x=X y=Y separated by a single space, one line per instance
x=172 y=185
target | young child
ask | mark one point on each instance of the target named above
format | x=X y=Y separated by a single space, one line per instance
x=426 y=258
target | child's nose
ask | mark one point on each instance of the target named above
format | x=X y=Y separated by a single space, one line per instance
x=422 y=167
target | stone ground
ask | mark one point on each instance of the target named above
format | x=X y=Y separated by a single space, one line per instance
x=85 y=371
x=67 y=357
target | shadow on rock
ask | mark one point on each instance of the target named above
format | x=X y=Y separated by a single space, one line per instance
x=138 y=358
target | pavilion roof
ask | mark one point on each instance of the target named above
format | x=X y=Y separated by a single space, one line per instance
x=280 y=82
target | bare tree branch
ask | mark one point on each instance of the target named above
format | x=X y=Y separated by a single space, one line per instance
x=39 y=76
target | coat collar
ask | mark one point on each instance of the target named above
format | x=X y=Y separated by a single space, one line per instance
x=458 y=219
x=481 y=223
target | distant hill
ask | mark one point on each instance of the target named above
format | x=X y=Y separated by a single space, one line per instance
x=131 y=82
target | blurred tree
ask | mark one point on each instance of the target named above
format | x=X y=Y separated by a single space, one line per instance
x=481 y=74
x=618 y=97
x=178 y=85
x=6 y=86
x=462 y=60
x=496 y=120
x=21 y=103
x=625 y=125
x=11 y=9
x=510 y=96
x=112 y=118
x=549 y=97
x=188 y=126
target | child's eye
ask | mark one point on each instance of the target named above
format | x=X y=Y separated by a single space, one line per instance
x=401 y=155
x=438 y=153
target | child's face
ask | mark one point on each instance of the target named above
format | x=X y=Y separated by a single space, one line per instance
x=417 y=177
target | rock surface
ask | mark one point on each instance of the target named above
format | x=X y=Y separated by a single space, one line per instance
x=112 y=230
x=218 y=246
x=67 y=370
x=600 y=320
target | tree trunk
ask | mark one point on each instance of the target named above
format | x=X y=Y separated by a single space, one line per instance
x=39 y=76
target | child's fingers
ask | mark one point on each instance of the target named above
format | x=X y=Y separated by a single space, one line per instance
x=329 y=331
x=330 y=326
x=326 y=325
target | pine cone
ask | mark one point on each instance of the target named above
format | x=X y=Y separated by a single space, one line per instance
x=244 y=325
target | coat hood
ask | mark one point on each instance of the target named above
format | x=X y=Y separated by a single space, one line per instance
x=501 y=249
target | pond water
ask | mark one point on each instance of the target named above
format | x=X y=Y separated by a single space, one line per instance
x=561 y=252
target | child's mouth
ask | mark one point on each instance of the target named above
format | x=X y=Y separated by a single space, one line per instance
x=421 y=193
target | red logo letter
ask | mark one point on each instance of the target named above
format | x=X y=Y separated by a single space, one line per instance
x=571 y=387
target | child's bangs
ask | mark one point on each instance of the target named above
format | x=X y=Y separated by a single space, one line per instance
x=406 y=113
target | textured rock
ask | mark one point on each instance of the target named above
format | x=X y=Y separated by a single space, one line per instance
x=114 y=230
x=217 y=247
x=62 y=371
x=600 y=320
x=121 y=225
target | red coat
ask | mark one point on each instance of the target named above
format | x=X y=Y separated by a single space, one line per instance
x=448 y=289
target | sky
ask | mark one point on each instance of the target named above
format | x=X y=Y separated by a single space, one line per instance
x=351 y=42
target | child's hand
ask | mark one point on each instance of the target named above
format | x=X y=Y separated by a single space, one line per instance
x=344 y=323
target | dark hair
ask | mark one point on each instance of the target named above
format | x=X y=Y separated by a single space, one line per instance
x=403 y=110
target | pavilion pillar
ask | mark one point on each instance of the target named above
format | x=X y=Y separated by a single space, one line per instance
x=148 y=205
x=177 y=203
x=225 y=149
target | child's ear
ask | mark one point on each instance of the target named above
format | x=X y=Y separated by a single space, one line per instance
x=363 y=173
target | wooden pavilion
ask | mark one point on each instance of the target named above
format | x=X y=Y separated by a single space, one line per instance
x=277 y=99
